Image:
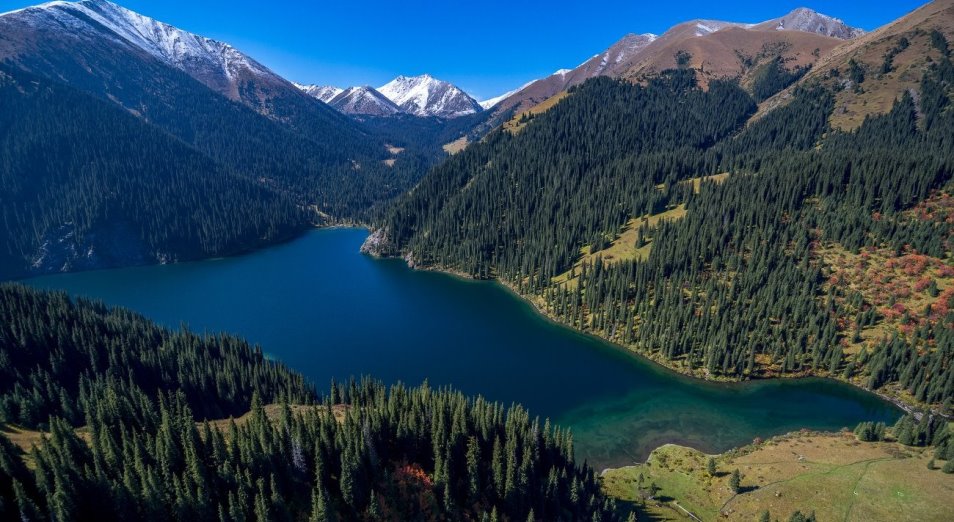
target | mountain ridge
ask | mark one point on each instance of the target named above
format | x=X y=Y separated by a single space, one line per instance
x=363 y=101
x=634 y=53
x=425 y=95
x=422 y=96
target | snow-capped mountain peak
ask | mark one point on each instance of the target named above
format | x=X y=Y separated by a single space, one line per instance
x=218 y=65
x=183 y=50
x=324 y=93
x=363 y=100
x=425 y=95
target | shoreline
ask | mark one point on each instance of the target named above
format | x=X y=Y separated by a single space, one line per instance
x=285 y=239
x=656 y=362
x=898 y=402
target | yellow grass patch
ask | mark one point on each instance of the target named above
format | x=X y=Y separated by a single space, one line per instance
x=514 y=126
x=623 y=248
x=715 y=178
x=833 y=474
x=880 y=91
x=456 y=146
x=274 y=411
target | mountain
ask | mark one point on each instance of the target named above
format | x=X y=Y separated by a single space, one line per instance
x=605 y=63
x=323 y=93
x=672 y=216
x=91 y=27
x=716 y=48
x=364 y=101
x=418 y=96
x=870 y=72
x=427 y=96
x=89 y=185
x=490 y=102
x=275 y=145
x=724 y=50
x=809 y=21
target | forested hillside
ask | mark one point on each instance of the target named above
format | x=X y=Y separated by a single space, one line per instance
x=659 y=217
x=87 y=184
x=123 y=403
x=79 y=174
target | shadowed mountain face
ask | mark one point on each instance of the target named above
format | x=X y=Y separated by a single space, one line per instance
x=278 y=151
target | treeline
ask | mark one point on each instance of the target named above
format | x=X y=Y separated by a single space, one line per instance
x=928 y=431
x=734 y=288
x=363 y=452
x=88 y=184
x=774 y=76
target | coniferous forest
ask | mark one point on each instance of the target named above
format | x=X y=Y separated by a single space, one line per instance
x=736 y=282
x=134 y=430
x=87 y=184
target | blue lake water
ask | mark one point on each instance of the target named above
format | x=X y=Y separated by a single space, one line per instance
x=329 y=312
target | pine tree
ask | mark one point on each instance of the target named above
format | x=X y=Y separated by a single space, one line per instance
x=473 y=469
x=735 y=481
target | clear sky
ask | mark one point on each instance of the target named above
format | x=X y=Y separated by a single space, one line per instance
x=486 y=47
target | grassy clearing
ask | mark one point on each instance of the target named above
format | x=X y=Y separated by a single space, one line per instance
x=456 y=146
x=833 y=474
x=514 y=126
x=715 y=178
x=623 y=247
x=879 y=91
x=274 y=411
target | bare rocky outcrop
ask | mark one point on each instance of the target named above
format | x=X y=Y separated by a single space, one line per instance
x=377 y=244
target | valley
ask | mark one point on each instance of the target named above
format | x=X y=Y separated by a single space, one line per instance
x=706 y=274
x=319 y=306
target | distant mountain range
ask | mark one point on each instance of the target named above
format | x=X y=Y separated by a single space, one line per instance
x=716 y=48
x=245 y=129
x=416 y=95
x=363 y=100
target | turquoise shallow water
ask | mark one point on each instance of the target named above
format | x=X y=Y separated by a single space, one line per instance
x=322 y=308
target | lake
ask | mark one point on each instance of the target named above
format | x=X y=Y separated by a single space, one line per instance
x=327 y=311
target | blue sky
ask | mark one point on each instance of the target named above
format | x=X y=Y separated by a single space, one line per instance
x=484 y=47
